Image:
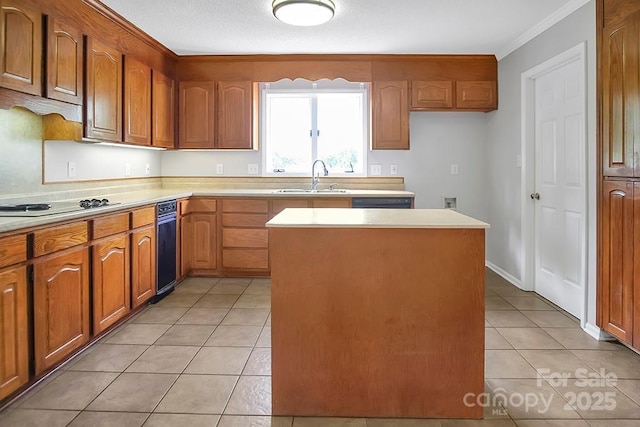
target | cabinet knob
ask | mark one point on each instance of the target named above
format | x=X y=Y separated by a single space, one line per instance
x=535 y=196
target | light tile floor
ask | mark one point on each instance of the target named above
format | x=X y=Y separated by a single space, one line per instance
x=202 y=357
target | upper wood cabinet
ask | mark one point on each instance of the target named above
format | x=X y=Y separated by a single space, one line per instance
x=476 y=95
x=620 y=92
x=162 y=111
x=197 y=115
x=103 y=97
x=390 y=103
x=235 y=122
x=64 y=61
x=21 y=47
x=137 y=102
x=431 y=95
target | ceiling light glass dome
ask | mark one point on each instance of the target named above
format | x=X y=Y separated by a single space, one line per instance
x=304 y=13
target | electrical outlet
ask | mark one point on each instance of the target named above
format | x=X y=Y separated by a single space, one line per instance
x=376 y=170
x=71 y=169
x=127 y=169
x=454 y=169
x=220 y=169
x=519 y=161
x=394 y=170
x=252 y=169
x=147 y=169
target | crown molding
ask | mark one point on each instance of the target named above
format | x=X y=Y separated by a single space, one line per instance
x=541 y=27
x=118 y=19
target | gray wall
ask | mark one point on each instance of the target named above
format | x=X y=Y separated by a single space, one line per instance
x=504 y=239
x=437 y=141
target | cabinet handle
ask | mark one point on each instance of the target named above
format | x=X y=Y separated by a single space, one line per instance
x=535 y=196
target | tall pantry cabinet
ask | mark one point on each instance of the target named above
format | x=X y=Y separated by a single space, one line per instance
x=618 y=23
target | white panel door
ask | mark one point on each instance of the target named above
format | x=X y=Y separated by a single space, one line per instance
x=560 y=186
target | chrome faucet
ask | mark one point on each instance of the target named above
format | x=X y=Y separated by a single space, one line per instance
x=314 y=178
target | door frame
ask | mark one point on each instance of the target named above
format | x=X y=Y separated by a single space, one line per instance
x=576 y=53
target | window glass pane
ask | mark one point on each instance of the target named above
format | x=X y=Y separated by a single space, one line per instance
x=341 y=128
x=288 y=123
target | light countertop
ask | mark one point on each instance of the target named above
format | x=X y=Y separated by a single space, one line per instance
x=373 y=218
x=142 y=198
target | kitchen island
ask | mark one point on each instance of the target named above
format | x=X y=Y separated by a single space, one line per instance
x=377 y=312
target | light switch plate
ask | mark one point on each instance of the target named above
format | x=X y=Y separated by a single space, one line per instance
x=147 y=169
x=454 y=169
x=219 y=169
x=252 y=169
x=127 y=169
x=376 y=170
x=394 y=170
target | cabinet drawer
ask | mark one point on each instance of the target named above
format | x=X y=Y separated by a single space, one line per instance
x=255 y=206
x=278 y=206
x=332 y=203
x=245 y=238
x=109 y=225
x=13 y=250
x=244 y=220
x=58 y=238
x=143 y=216
x=245 y=258
x=198 y=205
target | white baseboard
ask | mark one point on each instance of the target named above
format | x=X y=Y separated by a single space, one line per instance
x=500 y=272
x=598 y=333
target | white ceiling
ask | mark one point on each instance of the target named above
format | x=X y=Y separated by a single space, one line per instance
x=216 y=27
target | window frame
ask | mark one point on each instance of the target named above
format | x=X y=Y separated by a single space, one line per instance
x=363 y=89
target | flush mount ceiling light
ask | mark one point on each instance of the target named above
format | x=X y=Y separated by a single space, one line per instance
x=304 y=13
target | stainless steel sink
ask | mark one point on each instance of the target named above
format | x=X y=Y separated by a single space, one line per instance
x=303 y=191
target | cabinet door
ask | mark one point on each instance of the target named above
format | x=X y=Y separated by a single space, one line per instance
x=61 y=307
x=186 y=245
x=103 y=98
x=620 y=91
x=143 y=265
x=197 y=115
x=390 y=116
x=235 y=122
x=162 y=111
x=111 y=286
x=21 y=45
x=480 y=96
x=431 y=95
x=204 y=241
x=14 y=335
x=617 y=259
x=636 y=263
x=64 y=62
x=137 y=102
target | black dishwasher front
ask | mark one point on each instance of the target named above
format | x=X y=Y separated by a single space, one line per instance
x=166 y=250
x=382 y=202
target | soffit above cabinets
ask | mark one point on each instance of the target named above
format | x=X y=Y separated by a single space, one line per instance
x=218 y=27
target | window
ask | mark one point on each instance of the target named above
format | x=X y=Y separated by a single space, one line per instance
x=327 y=120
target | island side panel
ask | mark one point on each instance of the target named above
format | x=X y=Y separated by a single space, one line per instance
x=377 y=322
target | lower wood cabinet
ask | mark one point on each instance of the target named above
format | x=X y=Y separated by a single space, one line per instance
x=61 y=306
x=204 y=241
x=619 y=247
x=14 y=335
x=111 y=282
x=143 y=265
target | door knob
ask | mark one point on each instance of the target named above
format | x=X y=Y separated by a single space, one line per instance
x=535 y=196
